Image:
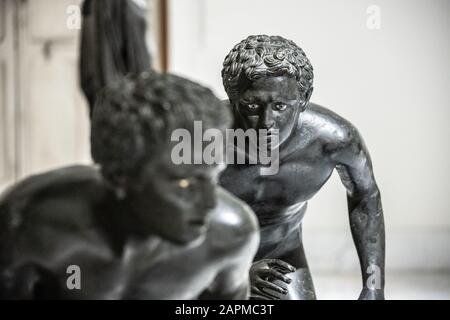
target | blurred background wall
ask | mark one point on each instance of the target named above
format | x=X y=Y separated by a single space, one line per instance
x=383 y=65
x=45 y=112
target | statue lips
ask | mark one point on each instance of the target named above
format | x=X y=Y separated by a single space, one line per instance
x=194 y=228
x=198 y=224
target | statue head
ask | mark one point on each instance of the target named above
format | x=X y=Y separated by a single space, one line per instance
x=131 y=132
x=269 y=81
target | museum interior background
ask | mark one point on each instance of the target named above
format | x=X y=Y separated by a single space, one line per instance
x=389 y=76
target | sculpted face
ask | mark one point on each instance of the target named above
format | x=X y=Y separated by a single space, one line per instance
x=174 y=201
x=270 y=103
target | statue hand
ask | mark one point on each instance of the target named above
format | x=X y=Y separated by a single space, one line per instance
x=262 y=275
x=371 y=294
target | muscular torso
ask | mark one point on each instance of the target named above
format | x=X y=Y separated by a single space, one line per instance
x=146 y=269
x=321 y=142
x=306 y=163
x=149 y=269
x=47 y=229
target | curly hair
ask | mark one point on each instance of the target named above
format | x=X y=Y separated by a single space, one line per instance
x=134 y=119
x=262 y=55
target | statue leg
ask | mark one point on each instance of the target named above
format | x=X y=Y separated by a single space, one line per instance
x=302 y=286
x=290 y=250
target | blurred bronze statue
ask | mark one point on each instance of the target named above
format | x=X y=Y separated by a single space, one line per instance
x=112 y=43
x=269 y=82
x=139 y=226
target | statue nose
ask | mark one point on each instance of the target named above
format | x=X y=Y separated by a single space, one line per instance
x=267 y=120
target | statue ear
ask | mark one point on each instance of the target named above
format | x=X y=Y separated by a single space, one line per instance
x=309 y=93
x=306 y=97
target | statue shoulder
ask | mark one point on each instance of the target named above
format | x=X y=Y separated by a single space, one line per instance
x=334 y=131
x=52 y=196
x=226 y=102
x=233 y=223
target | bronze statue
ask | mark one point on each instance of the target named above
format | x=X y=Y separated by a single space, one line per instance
x=269 y=82
x=137 y=227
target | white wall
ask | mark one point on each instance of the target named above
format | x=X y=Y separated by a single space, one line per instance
x=53 y=122
x=8 y=78
x=392 y=83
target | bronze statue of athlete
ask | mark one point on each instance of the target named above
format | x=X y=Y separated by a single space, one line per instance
x=269 y=82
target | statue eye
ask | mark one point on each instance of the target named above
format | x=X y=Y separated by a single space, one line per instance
x=280 y=107
x=252 y=106
x=184 y=183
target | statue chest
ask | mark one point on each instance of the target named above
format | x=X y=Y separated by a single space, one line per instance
x=296 y=181
x=144 y=270
x=166 y=272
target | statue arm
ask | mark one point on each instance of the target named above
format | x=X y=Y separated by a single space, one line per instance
x=232 y=281
x=235 y=245
x=230 y=284
x=366 y=214
x=113 y=44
